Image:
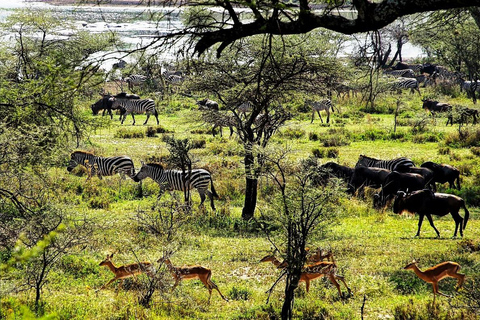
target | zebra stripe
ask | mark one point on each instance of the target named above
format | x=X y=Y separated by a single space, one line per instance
x=406 y=83
x=101 y=166
x=317 y=106
x=175 y=180
x=406 y=73
x=135 y=80
x=130 y=106
x=398 y=164
x=245 y=107
x=469 y=86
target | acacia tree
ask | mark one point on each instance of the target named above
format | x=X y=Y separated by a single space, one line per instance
x=450 y=37
x=265 y=72
x=302 y=209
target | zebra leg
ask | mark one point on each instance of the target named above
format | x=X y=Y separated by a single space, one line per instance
x=328 y=116
x=313 y=114
x=148 y=117
x=133 y=117
x=210 y=195
x=201 y=192
x=318 y=111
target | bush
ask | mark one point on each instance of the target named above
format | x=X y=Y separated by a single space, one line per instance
x=312 y=136
x=317 y=153
x=444 y=150
x=198 y=144
x=123 y=133
x=332 y=153
x=151 y=132
x=239 y=294
x=293 y=133
x=463 y=139
x=475 y=151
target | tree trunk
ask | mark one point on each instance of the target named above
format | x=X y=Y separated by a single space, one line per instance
x=292 y=284
x=250 y=188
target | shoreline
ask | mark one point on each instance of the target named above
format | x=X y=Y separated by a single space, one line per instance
x=137 y=3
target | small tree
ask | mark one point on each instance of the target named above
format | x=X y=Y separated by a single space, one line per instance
x=304 y=211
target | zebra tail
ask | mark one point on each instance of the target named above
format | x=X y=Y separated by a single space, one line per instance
x=214 y=193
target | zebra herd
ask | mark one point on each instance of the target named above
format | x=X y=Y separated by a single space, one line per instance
x=167 y=179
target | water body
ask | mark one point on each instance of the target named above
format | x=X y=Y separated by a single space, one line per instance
x=132 y=24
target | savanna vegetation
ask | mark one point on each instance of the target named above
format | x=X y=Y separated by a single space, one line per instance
x=56 y=227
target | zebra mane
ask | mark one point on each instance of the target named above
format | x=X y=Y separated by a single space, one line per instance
x=367 y=157
x=83 y=152
x=155 y=165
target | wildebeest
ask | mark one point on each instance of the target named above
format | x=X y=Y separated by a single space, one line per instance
x=106 y=105
x=398 y=181
x=207 y=104
x=367 y=177
x=443 y=173
x=425 y=173
x=435 y=106
x=427 y=203
x=336 y=170
x=461 y=115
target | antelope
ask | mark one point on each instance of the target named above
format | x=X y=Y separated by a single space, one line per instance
x=436 y=273
x=192 y=272
x=126 y=271
x=321 y=255
x=316 y=270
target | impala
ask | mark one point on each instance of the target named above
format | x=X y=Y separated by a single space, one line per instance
x=314 y=271
x=192 y=272
x=126 y=271
x=436 y=273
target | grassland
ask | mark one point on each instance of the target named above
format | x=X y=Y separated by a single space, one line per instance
x=371 y=247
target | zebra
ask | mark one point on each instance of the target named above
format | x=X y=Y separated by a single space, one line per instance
x=245 y=107
x=135 y=80
x=406 y=73
x=470 y=87
x=175 y=180
x=405 y=83
x=219 y=119
x=130 y=106
x=317 y=106
x=398 y=164
x=101 y=166
x=106 y=105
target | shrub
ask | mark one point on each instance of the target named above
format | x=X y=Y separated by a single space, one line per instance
x=239 y=294
x=475 y=151
x=332 y=153
x=198 y=144
x=463 y=139
x=152 y=131
x=123 y=133
x=293 y=133
x=444 y=150
x=317 y=153
x=312 y=136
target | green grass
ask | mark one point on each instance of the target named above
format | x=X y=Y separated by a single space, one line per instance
x=371 y=247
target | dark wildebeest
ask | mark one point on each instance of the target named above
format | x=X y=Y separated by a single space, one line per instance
x=336 y=170
x=435 y=106
x=427 y=174
x=398 y=181
x=427 y=203
x=367 y=177
x=207 y=104
x=443 y=173
x=428 y=68
x=461 y=115
x=106 y=105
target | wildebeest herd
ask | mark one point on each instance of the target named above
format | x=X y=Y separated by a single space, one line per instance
x=412 y=188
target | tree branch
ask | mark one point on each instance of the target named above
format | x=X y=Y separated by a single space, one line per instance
x=370 y=16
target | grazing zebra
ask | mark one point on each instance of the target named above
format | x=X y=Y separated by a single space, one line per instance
x=406 y=83
x=470 y=87
x=130 y=106
x=317 y=106
x=175 y=180
x=245 y=107
x=135 y=80
x=219 y=119
x=398 y=164
x=106 y=105
x=406 y=73
x=101 y=166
